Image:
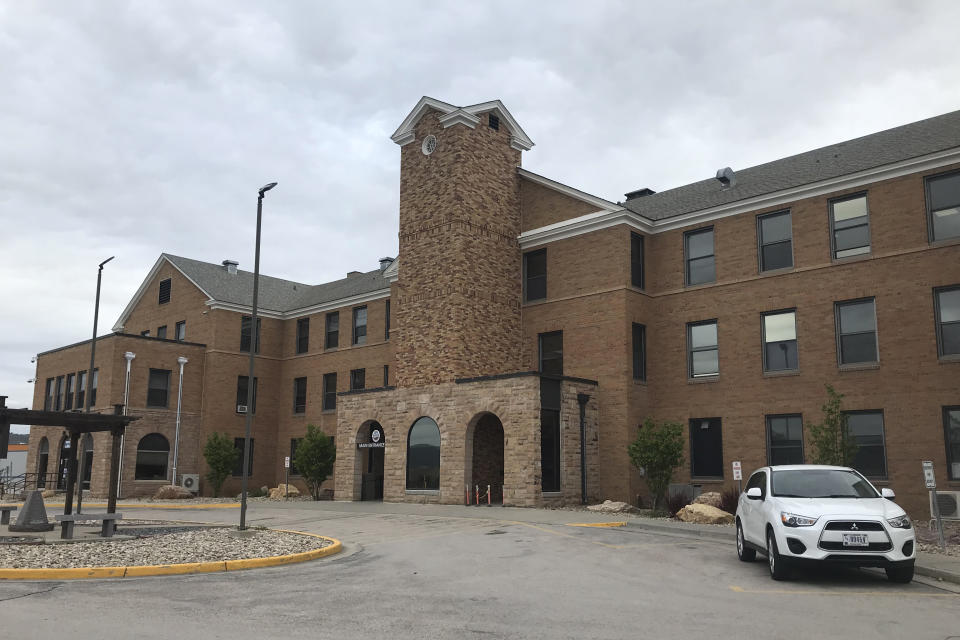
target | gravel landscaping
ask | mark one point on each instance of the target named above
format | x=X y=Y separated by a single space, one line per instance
x=171 y=545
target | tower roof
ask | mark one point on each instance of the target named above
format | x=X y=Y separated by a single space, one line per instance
x=469 y=116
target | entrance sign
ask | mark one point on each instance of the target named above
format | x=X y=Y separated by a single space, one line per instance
x=377 y=440
x=737 y=470
x=928 y=477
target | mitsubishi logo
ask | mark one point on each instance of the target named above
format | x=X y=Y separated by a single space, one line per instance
x=853 y=527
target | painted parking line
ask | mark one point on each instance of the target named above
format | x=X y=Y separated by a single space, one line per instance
x=603 y=525
x=839 y=592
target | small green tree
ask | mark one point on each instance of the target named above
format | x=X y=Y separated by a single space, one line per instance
x=314 y=458
x=658 y=450
x=221 y=457
x=831 y=438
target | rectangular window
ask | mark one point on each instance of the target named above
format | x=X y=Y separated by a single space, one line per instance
x=785 y=439
x=245 y=322
x=856 y=332
x=243 y=400
x=850 y=226
x=180 y=331
x=333 y=330
x=775 y=235
x=329 y=391
x=535 y=275
x=293 y=456
x=866 y=429
x=146 y=333
x=699 y=258
x=164 y=296
x=780 y=341
x=81 y=390
x=238 y=467
x=158 y=388
x=299 y=395
x=93 y=387
x=386 y=375
x=706 y=448
x=704 y=354
x=358 y=379
x=360 y=325
x=162 y=332
x=947 y=313
x=943 y=206
x=639 y=352
x=70 y=392
x=386 y=320
x=636 y=260
x=48 y=397
x=58 y=401
x=951 y=435
x=550 y=447
x=303 y=335
x=551 y=353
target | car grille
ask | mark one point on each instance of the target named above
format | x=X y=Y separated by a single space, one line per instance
x=838 y=546
x=848 y=525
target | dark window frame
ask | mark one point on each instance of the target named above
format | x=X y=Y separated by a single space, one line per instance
x=358 y=333
x=58 y=398
x=69 y=392
x=386 y=319
x=358 y=379
x=691 y=349
x=639 y=351
x=527 y=278
x=833 y=229
x=761 y=244
x=246 y=329
x=637 y=271
x=687 y=259
x=946 y=441
x=938 y=323
x=302 y=338
x=763 y=339
x=152 y=402
x=298 y=406
x=238 y=444
x=251 y=404
x=180 y=331
x=48 y=395
x=94 y=381
x=540 y=352
x=137 y=464
x=331 y=338
x=386 y=375
x=81 y=389
x=439 y=457
x=929 y=204
x=294 y=443
x=769 y=431
x=329 y=401
x=839 y=336
x=883 y=439
x=719 y=452
x=161 y=294
x=162 y=332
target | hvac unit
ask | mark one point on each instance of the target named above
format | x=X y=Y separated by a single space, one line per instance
x=241 y=408
x=949 y=503
x=190 y=482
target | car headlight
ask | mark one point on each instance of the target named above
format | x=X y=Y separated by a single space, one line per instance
x=794 y=520
x=900 y=522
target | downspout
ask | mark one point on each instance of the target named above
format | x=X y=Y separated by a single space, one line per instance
x=176 y=438
x=583 y=399
x=129 y=356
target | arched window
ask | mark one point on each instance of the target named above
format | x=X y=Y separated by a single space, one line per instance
x=423 y=455
x=43 y=459
x=153 y=451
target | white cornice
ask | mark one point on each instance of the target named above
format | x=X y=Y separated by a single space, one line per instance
x=118 y=325
x=583 y=196
x=459 y=117
x=305 y=311
x=392 y=272
x=404 y=133
x=469 y=116
x=603 y=219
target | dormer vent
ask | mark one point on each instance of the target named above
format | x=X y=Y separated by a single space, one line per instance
x=385 y=262
x=494 y=122
x=639 y=193
x=726 y=177
x=230 y=266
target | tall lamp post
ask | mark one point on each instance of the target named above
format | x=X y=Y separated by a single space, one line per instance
x=254 y=335
x=93 y=353
x=176 y=439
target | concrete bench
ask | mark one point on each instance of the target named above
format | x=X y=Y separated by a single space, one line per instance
x=109 y=521
x=5 y=510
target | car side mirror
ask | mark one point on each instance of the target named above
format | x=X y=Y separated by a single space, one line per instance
x=754 y=493
x=888 y=493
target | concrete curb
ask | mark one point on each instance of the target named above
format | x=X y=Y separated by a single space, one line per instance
x=607 y=525
x=218 y=505
x=176 y=569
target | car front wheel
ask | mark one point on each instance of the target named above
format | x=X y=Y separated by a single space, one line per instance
x=778 y=570
x=900 y=574
x=743 y=552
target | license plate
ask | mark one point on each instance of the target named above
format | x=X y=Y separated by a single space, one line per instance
x=855 y=540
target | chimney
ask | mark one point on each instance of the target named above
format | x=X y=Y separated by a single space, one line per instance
x=231 y=266
x=726 y=177
x=385 y=262
x=639 y=193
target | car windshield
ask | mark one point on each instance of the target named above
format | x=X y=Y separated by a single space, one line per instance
x=821 y=483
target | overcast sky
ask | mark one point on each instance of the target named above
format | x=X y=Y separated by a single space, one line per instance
x=133 y=129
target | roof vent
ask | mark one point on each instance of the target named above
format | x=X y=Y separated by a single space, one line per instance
x=639 y=193
x=352 y=274
x=385 y=262
x=231 y=266
x=726 y=177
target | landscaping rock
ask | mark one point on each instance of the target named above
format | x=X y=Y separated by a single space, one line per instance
x=704 y=514
x=609 y=506
x=283 y=490
x=711 y=498
x=171 y=492
x=49 y=493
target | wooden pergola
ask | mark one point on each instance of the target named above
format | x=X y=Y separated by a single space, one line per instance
x=76 y=424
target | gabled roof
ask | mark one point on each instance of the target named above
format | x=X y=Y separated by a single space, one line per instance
x=468 y=116
x=860 y=154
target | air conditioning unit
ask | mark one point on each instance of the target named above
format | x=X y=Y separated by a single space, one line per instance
x=190 y=482
x=241 y=408
x=949 y=503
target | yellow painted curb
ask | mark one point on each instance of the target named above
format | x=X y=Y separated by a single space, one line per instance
x=120 y=505
x=597 y=524
x=176 y=569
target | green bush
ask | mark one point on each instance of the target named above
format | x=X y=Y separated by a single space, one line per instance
x=658 y=450
x=221 y=457
x=314 y=458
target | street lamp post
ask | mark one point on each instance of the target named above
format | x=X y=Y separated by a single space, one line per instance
x=176 y=438
x=93 y=353
x=253 y=349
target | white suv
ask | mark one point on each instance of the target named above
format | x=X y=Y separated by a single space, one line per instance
x=801 y=513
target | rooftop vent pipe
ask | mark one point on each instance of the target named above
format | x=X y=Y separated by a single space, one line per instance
x=639 y=193
x=231 y=266
x=726 y=177
x=385 y=262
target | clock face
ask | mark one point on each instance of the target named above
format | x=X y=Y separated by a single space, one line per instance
x=429 y=144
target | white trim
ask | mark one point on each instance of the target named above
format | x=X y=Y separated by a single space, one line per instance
x=461 y=115
x=583 y=196
x=404 y=133
x=304 y=311
x=603 y=219
x=119 y=324
x=392 y=272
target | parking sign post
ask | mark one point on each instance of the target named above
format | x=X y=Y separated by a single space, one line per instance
x=738 y=475
x=931 y=481
x=286 y=477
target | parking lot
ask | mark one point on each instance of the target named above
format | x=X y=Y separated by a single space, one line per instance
x=449 y=572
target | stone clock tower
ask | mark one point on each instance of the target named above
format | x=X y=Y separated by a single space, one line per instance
x=458 y=292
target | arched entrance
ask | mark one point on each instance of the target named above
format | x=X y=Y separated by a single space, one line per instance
x=86 y=461
x=43 y=459
x=369 y=461
x=485 y=441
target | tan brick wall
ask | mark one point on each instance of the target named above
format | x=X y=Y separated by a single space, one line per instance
x=542 y=206
x=186 y=304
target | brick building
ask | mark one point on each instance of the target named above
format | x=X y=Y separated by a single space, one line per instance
x=527 y=328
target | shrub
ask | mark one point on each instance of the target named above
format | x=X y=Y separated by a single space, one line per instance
x=314 y=458
x=728 y=499
x=221 y=457
x=658 y=450
x=832 y=441
x=677 y=501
